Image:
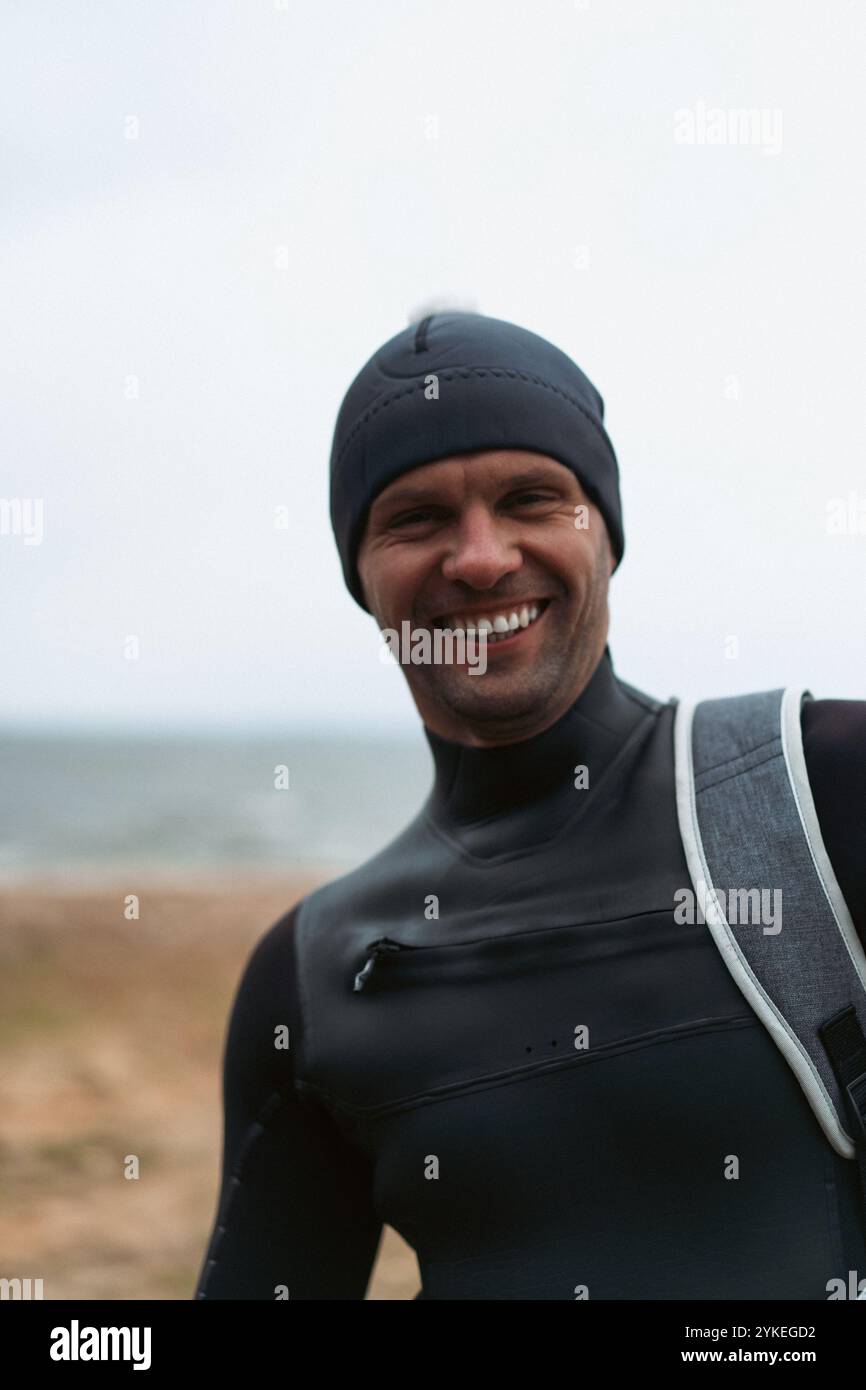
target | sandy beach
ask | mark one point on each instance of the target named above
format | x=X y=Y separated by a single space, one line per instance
x=111 y=1033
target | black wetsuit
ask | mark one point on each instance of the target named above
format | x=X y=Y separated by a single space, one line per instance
x=558 y=1167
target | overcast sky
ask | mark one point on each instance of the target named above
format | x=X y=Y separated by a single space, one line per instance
x=213 y=213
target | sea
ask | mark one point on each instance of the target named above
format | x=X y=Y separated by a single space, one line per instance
x=98 y=805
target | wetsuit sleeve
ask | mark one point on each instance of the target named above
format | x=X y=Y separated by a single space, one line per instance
x=295 y=1211
x=834 y=745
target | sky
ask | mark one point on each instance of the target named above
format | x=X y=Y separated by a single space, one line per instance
x=213 y=213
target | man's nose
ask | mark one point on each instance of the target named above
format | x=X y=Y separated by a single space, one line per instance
x=480 y=550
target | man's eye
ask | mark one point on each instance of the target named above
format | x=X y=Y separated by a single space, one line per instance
x=527 y=498
x=420 y=515
x=408 y=518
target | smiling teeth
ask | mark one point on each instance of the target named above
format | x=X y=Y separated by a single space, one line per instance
x=501 y=625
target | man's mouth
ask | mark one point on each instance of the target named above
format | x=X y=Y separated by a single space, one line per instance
x=500 y=624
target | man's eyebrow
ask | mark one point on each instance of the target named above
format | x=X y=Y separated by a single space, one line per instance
x=408 y=494
x=533 y=476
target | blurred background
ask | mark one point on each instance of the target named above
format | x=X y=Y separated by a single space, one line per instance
x=213 y=214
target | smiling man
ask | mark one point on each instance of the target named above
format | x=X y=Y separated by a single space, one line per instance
x=489 y=543
x=503 y=1042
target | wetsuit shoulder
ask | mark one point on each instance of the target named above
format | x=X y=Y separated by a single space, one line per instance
x=295 y=1216
x=834 y=745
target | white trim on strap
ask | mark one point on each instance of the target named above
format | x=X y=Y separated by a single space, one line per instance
x=750 y=986
x=795 y=758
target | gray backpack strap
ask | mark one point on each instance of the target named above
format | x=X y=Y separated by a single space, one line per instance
x=747 y=821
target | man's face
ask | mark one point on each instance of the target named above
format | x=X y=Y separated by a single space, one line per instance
x=486 y=535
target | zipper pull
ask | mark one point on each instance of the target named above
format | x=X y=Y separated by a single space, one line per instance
x=377 y=948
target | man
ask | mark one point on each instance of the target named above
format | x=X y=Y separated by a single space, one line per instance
x=502 y=1042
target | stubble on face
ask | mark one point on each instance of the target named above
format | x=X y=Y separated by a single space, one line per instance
x=524 y=688
x=508 y=698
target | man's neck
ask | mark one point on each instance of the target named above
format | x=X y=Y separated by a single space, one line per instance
x=472 y=782
x=496 y=732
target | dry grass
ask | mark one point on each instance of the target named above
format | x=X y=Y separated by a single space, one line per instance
x=110 y=1038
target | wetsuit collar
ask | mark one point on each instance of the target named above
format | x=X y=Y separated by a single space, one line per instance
x=471 y=783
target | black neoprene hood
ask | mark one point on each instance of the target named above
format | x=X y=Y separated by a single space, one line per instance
x=455 y=382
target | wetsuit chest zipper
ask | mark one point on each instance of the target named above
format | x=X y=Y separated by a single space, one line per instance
x=383 y=946
x=386 y=945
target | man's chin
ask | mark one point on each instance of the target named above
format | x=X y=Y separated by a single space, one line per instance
x=494 y=696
